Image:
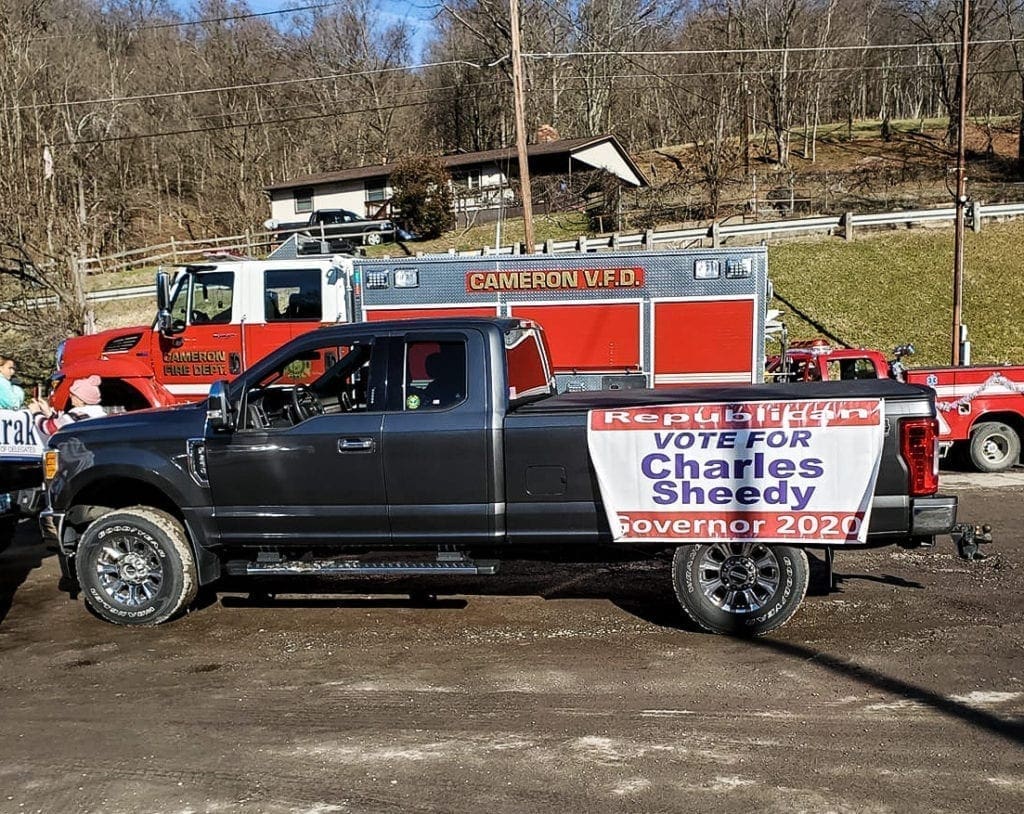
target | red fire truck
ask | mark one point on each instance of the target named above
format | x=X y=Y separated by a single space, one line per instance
x=613 y=320
x=981 y=407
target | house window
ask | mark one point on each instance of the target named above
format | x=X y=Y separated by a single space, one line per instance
x=470 y=179
x=376 y=191
x=304 y=199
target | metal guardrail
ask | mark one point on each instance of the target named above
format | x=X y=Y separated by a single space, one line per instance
x=650 y=239
x=92 y=296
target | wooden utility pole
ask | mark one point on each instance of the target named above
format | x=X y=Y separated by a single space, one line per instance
x=517 y=95
x=961 y=195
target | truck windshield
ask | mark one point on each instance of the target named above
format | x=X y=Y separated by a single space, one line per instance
x=203 y=297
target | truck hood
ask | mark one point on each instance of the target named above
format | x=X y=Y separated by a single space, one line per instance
x=93 y=346
x=159 y=423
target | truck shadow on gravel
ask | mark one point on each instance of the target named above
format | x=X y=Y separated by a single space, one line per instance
x=1008 y=729
x=641 y=588
x=25 y=554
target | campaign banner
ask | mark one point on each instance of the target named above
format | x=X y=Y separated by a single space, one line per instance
x=18 y=436
x=770 y=471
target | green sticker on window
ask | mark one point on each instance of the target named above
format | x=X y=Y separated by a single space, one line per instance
x=412 y=402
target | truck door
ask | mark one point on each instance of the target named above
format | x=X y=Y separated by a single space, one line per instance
x=440 y=453
x=291 y=473
x=207 y=344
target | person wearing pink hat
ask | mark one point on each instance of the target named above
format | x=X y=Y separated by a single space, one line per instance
x=85 y=403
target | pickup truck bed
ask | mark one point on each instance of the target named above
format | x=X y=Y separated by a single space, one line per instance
x=365 y=448
x=552 y=431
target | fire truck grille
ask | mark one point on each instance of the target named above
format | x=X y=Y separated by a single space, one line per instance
x=122 y=343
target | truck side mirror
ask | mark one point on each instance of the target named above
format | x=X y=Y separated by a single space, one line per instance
x=163 y=303
x=218 y=410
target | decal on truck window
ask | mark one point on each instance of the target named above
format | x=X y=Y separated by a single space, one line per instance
x=773 y=471
x=435 y=375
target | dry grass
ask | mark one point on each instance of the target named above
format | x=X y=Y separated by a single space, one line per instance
x=891 y=287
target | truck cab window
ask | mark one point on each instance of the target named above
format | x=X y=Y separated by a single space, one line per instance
x=320 y=381
x=204 y=298
x=292 y=295
x=847 y=369
x=435 y=375
x=527 y=366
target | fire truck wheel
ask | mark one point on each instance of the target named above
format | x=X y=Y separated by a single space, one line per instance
x=995 y=446
x=740 y=589
x=136 y=567
x=373 y=238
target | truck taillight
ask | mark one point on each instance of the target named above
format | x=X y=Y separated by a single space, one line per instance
x=919 y=444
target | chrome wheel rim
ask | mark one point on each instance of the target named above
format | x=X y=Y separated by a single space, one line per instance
x=129 y=571
x=738 y=577
x=995 y=449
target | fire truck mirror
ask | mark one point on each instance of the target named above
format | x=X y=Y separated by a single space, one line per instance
x=163 y=291
x=164 y=322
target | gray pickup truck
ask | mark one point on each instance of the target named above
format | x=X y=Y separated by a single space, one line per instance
x=419 y=447
x=340 y=229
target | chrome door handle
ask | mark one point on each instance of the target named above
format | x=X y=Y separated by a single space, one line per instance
x=356 y=445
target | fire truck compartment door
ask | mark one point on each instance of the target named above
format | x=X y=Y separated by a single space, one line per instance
x=704 y=340
x=590 y=336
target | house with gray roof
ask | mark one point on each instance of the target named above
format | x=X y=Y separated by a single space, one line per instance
x=484 y=183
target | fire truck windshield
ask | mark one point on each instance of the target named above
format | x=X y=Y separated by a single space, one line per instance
x=203 y=297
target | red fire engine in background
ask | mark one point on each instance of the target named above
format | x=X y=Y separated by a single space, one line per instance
x=981 y=407
x=612 y=320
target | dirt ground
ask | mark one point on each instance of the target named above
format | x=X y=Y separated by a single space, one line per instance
x=548 y=688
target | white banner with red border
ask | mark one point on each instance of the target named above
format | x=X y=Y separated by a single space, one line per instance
x=770 y=471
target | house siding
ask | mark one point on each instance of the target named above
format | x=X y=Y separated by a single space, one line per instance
x=350 y=195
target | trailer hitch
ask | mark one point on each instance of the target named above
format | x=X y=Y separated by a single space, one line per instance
x=969 y=538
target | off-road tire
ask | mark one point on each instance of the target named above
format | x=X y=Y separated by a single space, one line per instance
x=988 y=440
x=159 y=541
x=772 y=613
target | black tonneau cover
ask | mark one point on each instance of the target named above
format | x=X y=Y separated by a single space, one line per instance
x=609 y=399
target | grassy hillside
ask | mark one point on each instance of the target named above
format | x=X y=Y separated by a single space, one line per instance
x=891 y=287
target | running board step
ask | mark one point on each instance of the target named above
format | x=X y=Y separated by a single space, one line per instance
x=289 y=568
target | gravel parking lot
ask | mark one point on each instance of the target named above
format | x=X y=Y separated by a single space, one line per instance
x=572 y=688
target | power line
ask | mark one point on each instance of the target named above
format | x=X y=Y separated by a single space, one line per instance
x=205 y=20
x=237 y=125
x=320 y=103
x=247 y=16
x=427 y=65
x=248 y=86
x=753 y=51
